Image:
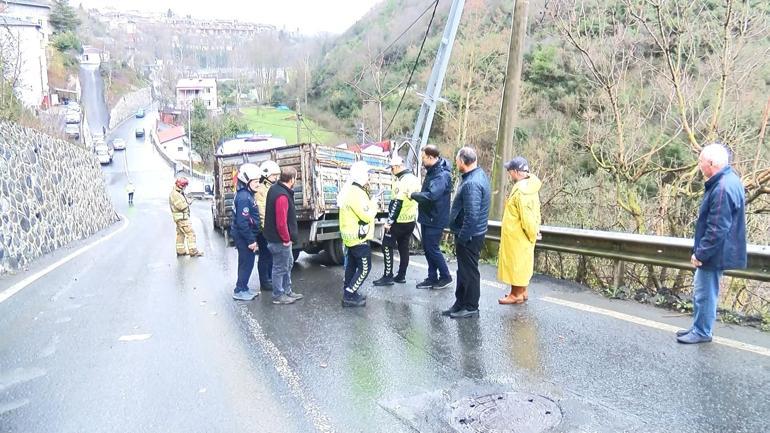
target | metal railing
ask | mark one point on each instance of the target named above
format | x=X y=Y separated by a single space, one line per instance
x=627 y=247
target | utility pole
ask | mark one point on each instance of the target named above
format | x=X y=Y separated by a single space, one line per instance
x=299 y=122
x=510 y=108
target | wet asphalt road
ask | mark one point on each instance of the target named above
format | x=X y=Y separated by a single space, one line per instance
x=205 y=363
x=92 y=98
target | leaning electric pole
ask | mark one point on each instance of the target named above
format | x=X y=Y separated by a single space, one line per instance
x=510 y=107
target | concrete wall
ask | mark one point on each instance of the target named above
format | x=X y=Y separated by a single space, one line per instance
x=128 y=105
x=51 y=193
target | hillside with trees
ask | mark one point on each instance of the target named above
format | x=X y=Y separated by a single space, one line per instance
x=618 y=97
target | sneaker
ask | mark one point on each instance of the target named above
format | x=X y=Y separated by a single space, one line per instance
x=401 y=279
x=442 y=283
x=682 y=332
x=384 y=281
x=254 y=292
x=243 y=295
x=283 y=300
x=295 y=296
x=353 y=299
x=693 y=338
x=426 y=284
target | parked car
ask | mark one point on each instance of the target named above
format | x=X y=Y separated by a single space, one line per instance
x=73 y=106
x=139 y=113
x=72 y=116
x=139 y=132
x=119 y=144
x=72 y=130
x=103 y=154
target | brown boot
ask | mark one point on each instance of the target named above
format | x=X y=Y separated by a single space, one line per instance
x=512 y=298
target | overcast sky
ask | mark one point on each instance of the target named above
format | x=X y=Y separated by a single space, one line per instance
x=310 y=16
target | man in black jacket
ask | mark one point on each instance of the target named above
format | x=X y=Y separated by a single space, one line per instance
x=433 y=207
x=468 y=221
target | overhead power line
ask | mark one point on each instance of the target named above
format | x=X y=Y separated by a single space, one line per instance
x=414 y=67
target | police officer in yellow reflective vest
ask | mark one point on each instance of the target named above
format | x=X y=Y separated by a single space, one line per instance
x=180 y=211
x=357 y=213
x=402 y=214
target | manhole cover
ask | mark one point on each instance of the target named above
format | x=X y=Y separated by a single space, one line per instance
x=517 y=412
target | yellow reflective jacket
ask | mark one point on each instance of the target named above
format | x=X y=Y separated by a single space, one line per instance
x=406 y=183
x=357 y=212
x=180 y=208
x=260 y=198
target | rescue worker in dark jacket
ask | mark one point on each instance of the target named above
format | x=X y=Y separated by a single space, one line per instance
x=433 y=216
x=244 y=229
x=720 y=239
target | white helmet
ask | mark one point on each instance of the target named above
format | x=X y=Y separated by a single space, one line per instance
x=248 y=172
x=269 y=168
x=359 y=172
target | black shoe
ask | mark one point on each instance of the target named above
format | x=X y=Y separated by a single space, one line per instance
x=353 y=299
x=266 y=286
x=384 y=281
x=682 y=332
x=442 y=283
x=401 y=279
x=464 y=314
x=450 y=311
x=426 y=284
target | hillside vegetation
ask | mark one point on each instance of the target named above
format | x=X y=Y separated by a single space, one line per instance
x=618 y=98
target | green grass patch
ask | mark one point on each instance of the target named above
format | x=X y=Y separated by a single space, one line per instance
x=283 y=124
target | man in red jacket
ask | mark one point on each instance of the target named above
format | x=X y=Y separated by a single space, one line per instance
x=280 y=231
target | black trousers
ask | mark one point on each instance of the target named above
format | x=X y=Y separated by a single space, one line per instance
x=358 y=267
x=468 y=288
x=398 y=235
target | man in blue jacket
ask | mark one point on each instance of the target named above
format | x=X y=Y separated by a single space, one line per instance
x=245 y=228
x=433 y=216
x=468 y=221
x=720 y=239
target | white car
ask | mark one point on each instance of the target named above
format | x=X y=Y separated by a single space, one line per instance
x=103 y=154
x=72 y=117
x=119 y=144
x=72 y=130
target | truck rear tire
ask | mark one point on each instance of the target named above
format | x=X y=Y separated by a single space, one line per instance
x=333 y=248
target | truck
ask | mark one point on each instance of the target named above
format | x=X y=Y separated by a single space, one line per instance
x=321 y=173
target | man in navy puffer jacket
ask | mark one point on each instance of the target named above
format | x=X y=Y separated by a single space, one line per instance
x=720 y=239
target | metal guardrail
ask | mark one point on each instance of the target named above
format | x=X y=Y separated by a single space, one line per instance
x=627 y=247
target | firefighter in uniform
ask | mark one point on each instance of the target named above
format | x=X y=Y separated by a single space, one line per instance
x=357 y=213
x=269 y=172
x=402 y=214
x=180 y=211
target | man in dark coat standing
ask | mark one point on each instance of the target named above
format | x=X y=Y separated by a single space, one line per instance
x=468 y=221
x=433 y=216
x=720 y=239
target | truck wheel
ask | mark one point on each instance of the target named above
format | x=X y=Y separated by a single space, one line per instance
x=333 y=248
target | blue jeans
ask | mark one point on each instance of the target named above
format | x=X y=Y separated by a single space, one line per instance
x=283 y=261
x=705 y=295
x=437 y=268
x=265 y=261
x=245 y=265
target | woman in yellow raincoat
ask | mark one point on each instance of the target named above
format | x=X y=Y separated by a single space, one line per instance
x=520 y=226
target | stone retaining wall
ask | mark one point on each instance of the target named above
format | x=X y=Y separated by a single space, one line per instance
x=51 y=193
x=128 y=104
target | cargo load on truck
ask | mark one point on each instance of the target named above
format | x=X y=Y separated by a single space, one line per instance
x=321 y=173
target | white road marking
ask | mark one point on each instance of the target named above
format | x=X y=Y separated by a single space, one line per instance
x=292 y=379
x=622 y=316
x=16 y=288
x=135 y=337
x=653 y=324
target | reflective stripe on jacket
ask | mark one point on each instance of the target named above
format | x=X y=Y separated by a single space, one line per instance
x=180 y=208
